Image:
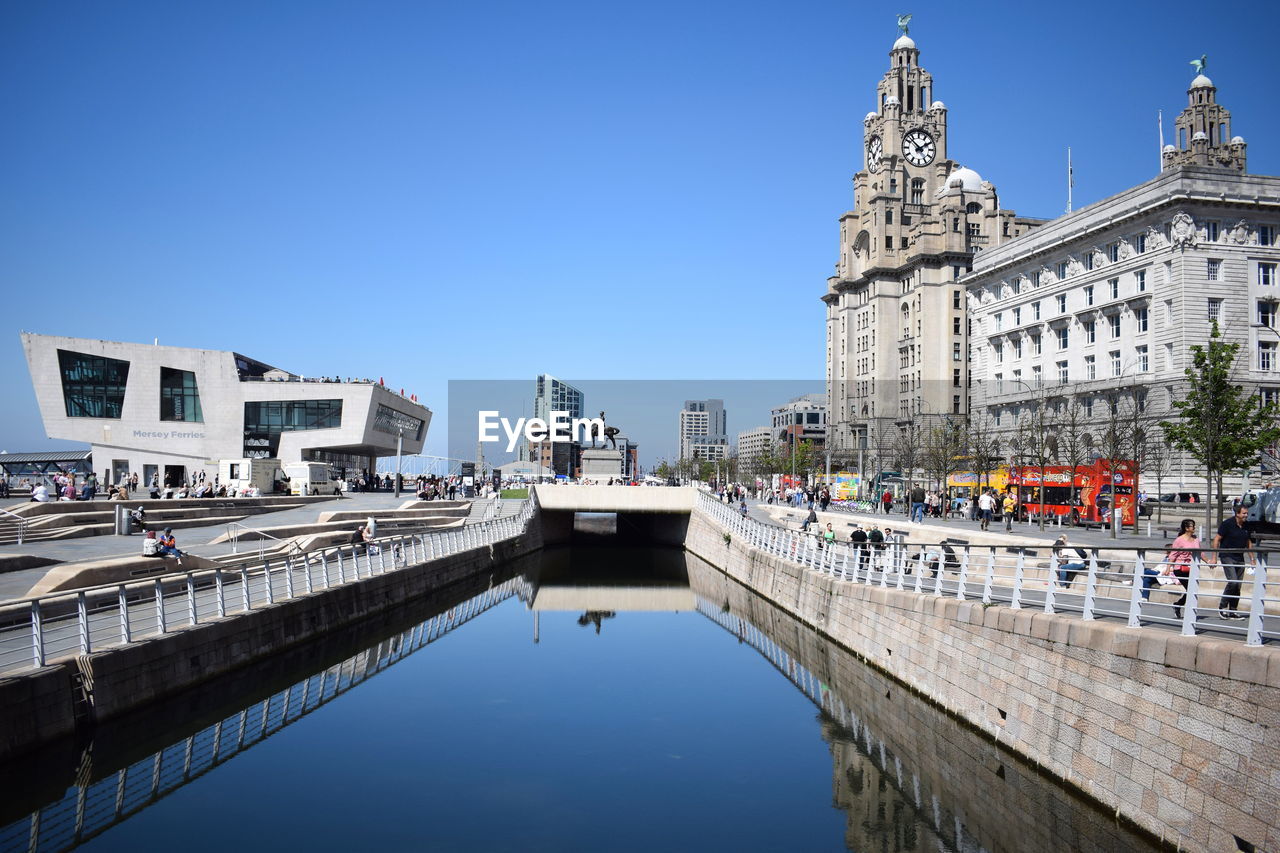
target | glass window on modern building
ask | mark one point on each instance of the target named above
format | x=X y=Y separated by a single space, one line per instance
x=179 y=396
x=92 y=385
x=264 y=421
x=391 y=422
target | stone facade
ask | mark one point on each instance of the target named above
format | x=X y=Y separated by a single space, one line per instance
x=1177 y=734
x=896 y=334
x=1098 y=309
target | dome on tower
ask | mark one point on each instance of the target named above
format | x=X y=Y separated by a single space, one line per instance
x=965 y=179
x=1201 y=81
x=1200 y=134
x=869 y=116
x=904 y=41
x=937 y=105
x=892 y=99
x=1237 y=140
x=1169 y=148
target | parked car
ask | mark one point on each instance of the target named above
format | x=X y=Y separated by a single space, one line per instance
x=1181 y=498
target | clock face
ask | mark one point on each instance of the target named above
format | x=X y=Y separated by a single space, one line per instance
x=918 y=148
x=875 y=149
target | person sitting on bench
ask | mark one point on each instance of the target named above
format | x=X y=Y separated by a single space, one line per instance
x=169 y=545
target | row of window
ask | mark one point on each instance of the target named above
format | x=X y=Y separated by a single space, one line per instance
x=1088 y=294
x=1141 y=364
x=1141 y=323
x=94 y=386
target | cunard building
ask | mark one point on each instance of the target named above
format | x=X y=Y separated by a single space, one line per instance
x=897 y=334
x=1092 y=316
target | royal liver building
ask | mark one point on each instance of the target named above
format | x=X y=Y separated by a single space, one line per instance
x=897 y=334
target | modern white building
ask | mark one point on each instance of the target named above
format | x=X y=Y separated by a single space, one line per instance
x=1101 y=306
x=803 y=418
x=755 y=443
x=703 y=426
x=171 y=412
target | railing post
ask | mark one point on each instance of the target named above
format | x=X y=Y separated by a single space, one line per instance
x=37 y=634
x=1090 y=586
x=159 y=590
x=990 y=578
x=191 y=599
x=964 y=573
x=342 y=574
x=382 y=561
x=288 y=578
x=122 y=602
x=82 y=616
x=306 y=572
x=1135 y=594
x=1018 y=568
x=941 y=572
x=1189 y=607
x=222 y=592
x=246 y=599
x=266 y=579
x=919 y=584
x=1051 y=588
x=1253 y=631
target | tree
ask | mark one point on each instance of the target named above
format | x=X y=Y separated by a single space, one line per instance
x=1158 y=463
x=981 y=447
x=907 y=453
x=943 y=451
x=1219 y=423
x=1074 y=442
x=1114 y=442
x=1037 y=440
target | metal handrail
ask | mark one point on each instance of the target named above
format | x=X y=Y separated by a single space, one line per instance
x=234 y=535
x=90 y=807
x=1117 y=582
x=22 y=523
x=35 y=631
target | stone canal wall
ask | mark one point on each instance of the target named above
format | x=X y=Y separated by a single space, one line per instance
x=1178 y=734
x=47 y=703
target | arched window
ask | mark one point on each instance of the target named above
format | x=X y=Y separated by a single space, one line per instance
x=973 y=207
x=917 y=191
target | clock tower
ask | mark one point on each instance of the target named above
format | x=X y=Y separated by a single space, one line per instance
x=897 y=330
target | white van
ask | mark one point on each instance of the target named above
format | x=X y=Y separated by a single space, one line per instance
x=312 y=478
x=244 y=475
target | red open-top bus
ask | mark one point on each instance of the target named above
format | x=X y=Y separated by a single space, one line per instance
x=1088 y=499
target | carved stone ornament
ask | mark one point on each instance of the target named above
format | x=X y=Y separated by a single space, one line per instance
x=1099 y=257
x=1241 y=233
x=1006 y=290
x=971 y=299
x=1183 y=229
x=1155 y=237
x=1074 y=267
x=1047 y=276
x=1126 y=249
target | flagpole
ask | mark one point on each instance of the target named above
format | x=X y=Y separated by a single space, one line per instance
x=1071 y=179
x=1160 y=150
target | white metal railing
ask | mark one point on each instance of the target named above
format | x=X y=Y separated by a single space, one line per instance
x=89 y=808
x=1108 y=583
x=233 y=535
x=36 y=631
x=21 y=521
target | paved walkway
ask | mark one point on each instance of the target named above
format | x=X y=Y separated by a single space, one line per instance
x=194 y=539
x=935 y=530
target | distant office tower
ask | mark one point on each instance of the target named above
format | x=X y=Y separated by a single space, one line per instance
x=553 y=395
x=704 y=430
x=801 y=419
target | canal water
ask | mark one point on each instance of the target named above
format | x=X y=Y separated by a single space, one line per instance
x=586 y=699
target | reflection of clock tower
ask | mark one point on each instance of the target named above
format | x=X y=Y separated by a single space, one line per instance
x=897 y=337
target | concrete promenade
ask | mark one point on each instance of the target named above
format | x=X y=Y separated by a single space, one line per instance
x=196 y=540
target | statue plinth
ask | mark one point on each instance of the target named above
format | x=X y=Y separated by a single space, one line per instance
x=601 y=463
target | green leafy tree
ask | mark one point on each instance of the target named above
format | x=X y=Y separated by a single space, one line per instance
x=1220 y=424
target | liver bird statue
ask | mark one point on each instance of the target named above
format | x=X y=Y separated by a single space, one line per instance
x=1200 y=64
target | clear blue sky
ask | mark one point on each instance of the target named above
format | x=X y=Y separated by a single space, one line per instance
x=431 y=191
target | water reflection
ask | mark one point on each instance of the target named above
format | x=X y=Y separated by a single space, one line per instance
x=905 y=775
